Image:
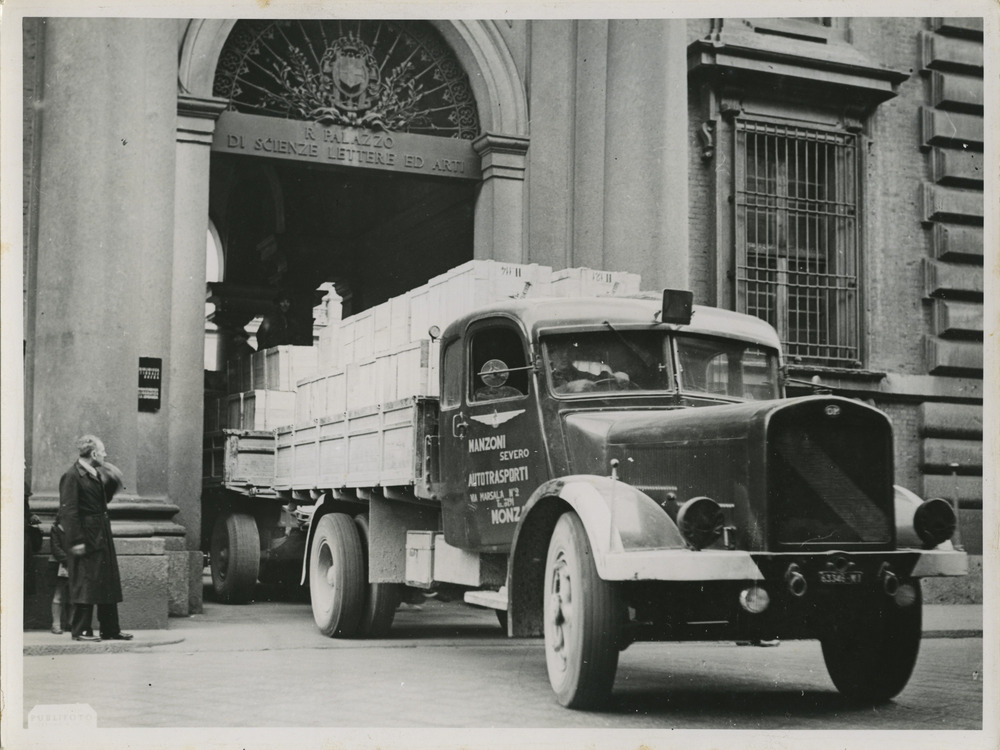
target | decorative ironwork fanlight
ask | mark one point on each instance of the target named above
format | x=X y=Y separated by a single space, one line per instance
x=383 y=75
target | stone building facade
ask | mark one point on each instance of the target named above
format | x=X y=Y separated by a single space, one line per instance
x=826 y=174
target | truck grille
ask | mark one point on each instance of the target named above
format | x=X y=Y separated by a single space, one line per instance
x=830 y=477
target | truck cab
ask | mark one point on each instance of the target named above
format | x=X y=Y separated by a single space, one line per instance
x=524 y=387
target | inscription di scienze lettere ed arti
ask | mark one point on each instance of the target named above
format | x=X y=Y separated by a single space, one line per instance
x=240 y=133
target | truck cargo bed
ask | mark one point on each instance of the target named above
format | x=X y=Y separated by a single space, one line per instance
x=386 y=445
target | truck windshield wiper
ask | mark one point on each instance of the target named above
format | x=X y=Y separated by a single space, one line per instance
x=646 y=358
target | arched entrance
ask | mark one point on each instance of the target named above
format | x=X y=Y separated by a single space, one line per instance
x=356 y=154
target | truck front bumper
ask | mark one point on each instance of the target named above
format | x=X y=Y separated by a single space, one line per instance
x=736 y=565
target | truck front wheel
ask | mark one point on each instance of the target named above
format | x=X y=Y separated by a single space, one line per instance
x=870 y=659
x=381 y=599
x=336 y=570
x=583 y=619
x=235 y=557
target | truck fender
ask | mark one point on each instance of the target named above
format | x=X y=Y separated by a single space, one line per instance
x=318 y=512
x=906 y=503
x=615 y=515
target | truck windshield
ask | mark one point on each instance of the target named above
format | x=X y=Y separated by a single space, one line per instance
x=605 y=361
x=727 y=367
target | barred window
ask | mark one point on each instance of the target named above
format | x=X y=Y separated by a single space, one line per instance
x=797 y=237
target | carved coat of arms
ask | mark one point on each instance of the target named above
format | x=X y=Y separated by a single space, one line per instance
x=351 y=68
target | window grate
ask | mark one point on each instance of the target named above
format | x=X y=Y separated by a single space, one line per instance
x=796 y=198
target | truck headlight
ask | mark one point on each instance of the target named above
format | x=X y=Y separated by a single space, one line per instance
x=934 y=521
x=701 y=521
x=754 y=599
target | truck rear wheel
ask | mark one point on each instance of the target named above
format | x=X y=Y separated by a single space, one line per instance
x=870 y=659
x=336 y=567
x=583 y=619
x=381 y=599
x=235 y=557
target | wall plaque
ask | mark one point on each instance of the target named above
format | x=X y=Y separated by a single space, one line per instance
x=315 y=143
x=150 y=377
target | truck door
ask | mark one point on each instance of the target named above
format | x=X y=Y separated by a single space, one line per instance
x=492 y=455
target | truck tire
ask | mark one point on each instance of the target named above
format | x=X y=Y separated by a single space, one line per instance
x=336 y=569
x=583 y=619
x=235 y=557
x=381 y=599
x=870 y=659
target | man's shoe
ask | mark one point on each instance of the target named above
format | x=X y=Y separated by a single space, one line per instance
x=119 y=636
x=92 y=638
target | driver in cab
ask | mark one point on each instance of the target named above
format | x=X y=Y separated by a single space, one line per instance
x=574 y=370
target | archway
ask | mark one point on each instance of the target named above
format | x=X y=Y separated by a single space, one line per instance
x=344 y=156
x=478 y=46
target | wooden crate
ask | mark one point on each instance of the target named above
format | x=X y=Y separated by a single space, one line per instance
x=345 y=354
x=588 y=282
x=382 y=318
x=470 y=285
x=285 y=366
x=304 y=401
x=405 y=372
x=239 y=458
x=261 y=410
x=336 y=394
x=328 y=348
x=364 y=335
x=276 y=369
x=399 y=321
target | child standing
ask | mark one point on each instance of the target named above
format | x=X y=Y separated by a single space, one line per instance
x=60 y=584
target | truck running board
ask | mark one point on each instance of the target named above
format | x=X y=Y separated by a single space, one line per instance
x=489 y=599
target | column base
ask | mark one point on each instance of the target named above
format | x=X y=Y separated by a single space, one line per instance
x=156 y=584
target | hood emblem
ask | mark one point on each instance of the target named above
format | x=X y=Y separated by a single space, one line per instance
x=496 y=418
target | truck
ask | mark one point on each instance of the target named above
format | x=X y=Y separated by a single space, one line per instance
x=601 y=470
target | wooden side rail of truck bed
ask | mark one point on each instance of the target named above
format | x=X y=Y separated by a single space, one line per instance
x=383 y=445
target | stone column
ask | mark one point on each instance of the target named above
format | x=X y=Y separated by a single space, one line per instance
x=500 y=216
x=645 y=157
x=196 y=118
x=104 y=247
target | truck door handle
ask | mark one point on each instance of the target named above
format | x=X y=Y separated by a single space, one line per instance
x=459 y=425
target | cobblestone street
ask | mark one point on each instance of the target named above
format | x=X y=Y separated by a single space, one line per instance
x=447 y=665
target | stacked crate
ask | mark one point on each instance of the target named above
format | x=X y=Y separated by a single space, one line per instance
x=385 y=354
x=588 y=282
x=469 y=286
x=261 y=389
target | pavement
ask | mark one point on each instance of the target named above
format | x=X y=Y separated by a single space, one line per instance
x=220 y=627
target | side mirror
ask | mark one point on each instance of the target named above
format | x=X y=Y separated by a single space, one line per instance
x=677 y=305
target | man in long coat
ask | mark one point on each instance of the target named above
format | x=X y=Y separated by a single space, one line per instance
x=84 y=492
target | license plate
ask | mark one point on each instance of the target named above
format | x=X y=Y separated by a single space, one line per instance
x=847 y=577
